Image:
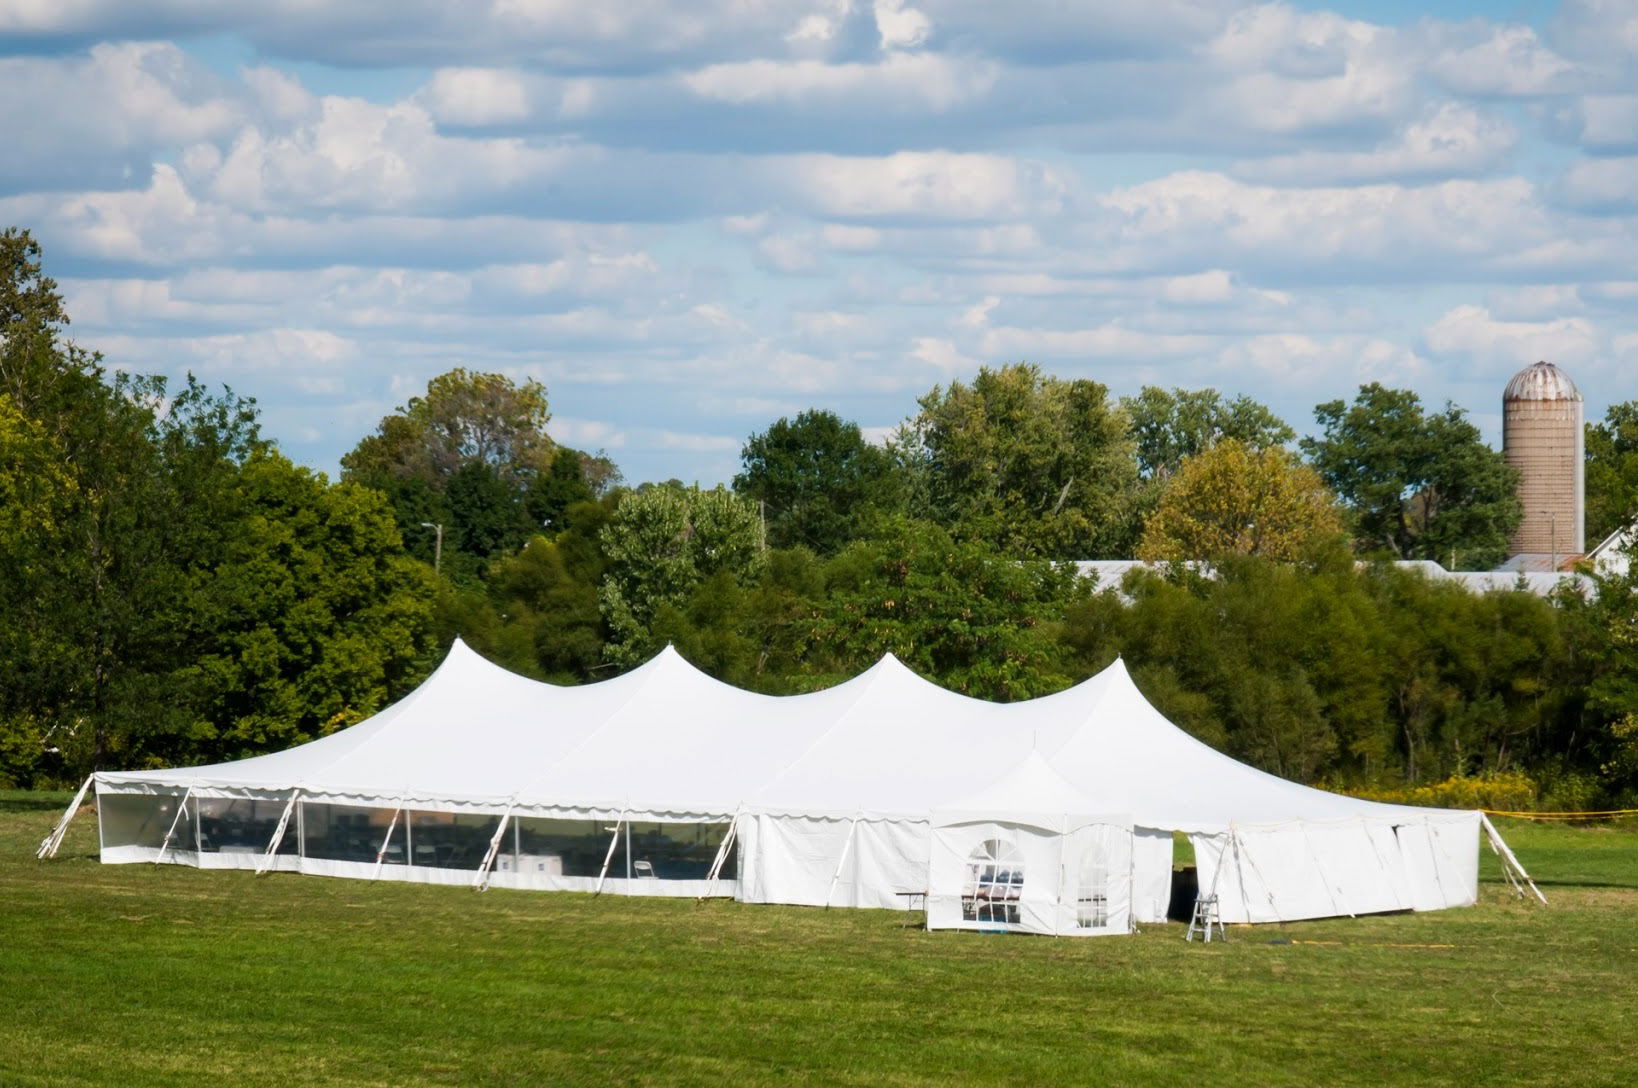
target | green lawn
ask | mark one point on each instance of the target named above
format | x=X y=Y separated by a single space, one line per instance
x=142 y=975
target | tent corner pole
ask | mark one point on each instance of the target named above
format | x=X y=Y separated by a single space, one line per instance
x=1508 y=860
x=49 y=844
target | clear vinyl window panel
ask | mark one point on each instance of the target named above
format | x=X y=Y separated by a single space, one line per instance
x=450 y=840
x=144 y=819
x=238 y=826
x=660 y=851
x=344 y=832
x=1092 y=896
x=994 y=884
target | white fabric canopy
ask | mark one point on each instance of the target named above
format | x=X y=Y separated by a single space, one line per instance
x=835 y=795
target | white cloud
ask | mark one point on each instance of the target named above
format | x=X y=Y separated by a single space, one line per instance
x=1202 y=288
x=1472 y=331
x=1602 y=184
x=477 y=96
x=899 y=26
x=920 y=185
x=1453 y=140
x=1110 y=341
x=1322 y=361
x=922 y=81
x=1505 y=61
x=103 y=115
x=1602 y=31
x=1605 y=122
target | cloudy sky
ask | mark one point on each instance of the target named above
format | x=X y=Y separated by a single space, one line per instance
x=689 y=219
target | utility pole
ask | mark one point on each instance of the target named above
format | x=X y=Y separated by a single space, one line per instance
x=1552 y=535
x=437 y=546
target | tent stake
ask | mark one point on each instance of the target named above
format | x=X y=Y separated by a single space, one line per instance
x=1508 y=860
x=278 y=833
x=49 y=844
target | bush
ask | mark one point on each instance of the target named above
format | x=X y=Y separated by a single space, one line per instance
x=1505 y=791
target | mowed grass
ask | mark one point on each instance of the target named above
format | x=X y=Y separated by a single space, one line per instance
x=142 y=975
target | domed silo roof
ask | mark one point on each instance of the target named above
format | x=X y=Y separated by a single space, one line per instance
x=1541 y=381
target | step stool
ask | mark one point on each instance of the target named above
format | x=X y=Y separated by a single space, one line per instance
x=1206 y=916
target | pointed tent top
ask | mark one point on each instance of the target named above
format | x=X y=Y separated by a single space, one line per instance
x=1030 y=785
x=1033 y=793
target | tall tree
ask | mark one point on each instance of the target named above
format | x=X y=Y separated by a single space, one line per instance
x=1612 y=471
x=466 y=455
x=817 y=479
x=1231 y=499
x=1035 y=466
x=1417 y=485
x=1170 y=425
x=951 y=609
x=308 y=618
x=660 y=545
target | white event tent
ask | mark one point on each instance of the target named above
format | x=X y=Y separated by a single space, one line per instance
x=1052 y=815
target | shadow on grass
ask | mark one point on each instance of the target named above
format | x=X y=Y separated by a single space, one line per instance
x=33 y=803
x=1586 y=883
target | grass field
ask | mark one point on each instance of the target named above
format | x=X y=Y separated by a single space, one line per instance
x=142 y=975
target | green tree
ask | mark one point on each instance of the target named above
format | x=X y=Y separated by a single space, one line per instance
x=466 y=455
x=818 y=479
x=1231 y=499
x=660 y=545
x=950 y=609
x=161 y=584
x=1612 y=471
x=537 y=611
x=1417 y=485
x=309 y=618
x=1171 y=425
x=1035 y=466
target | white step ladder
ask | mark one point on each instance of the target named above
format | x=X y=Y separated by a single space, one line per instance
x=1206 y=916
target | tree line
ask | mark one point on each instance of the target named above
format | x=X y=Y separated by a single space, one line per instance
x=177 y=591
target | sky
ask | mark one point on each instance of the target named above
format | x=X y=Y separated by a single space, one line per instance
x=691 y=219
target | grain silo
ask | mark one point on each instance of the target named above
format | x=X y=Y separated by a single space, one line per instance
x=1542 y=438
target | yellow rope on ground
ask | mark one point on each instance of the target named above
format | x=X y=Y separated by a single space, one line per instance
x=1606 y=814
